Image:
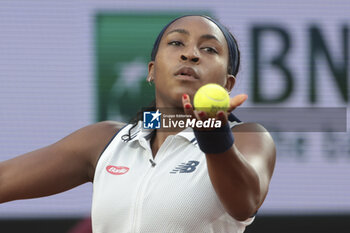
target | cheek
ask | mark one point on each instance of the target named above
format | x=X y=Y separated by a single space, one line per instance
x=163 y=66
x=217 y=73
x=158 y=69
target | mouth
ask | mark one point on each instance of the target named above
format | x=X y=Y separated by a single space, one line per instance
x=186 y=73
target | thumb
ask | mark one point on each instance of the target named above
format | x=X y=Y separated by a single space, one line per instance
x=237 y=101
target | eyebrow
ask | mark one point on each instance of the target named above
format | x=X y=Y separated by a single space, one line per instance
x=205 y=36
x=182 y=31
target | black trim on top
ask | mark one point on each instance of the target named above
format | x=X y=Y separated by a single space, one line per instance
x=111 y=140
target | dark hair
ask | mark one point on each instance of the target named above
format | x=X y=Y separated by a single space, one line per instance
x=234 y=53
x=137 y=118
x=233 y=64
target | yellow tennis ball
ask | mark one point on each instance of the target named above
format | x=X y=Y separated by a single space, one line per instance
x=211 y=98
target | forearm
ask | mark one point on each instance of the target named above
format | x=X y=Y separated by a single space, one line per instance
x=236 y=182
x=240 y=166
x=42 y=172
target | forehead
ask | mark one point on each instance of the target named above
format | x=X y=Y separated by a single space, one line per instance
x=197 y=25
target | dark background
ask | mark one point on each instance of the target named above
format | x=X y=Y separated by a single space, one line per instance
x=262 y=224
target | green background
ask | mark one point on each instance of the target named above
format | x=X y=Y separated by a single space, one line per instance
x=124 y=43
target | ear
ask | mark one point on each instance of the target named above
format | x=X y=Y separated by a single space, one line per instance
x=150 y=76
x=230 y=82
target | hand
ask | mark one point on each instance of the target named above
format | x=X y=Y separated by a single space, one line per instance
x=220 y=115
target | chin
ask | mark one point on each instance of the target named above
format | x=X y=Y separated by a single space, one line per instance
x=186 y=90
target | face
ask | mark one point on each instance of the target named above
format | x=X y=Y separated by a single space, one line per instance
x=192 y=52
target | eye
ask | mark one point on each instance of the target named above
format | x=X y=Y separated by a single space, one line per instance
x=175 y=43
x=210 y=50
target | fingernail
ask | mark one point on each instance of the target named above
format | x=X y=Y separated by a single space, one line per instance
x=188 y=106
x=201 y=114
x=220 y=114
x=184 y=96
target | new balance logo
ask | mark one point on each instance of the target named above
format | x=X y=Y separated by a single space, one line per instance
x=188 y=167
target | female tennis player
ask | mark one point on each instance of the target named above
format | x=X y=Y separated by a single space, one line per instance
x=162 y=181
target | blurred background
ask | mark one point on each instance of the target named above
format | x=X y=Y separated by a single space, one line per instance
x=66 y=64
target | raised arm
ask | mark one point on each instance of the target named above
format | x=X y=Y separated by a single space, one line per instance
x=58 y=167
x=241 y=173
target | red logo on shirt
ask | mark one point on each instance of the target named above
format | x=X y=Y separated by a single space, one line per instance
x=114 y=170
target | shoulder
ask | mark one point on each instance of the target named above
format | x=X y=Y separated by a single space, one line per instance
x=251 y=127
x=255 y=143
x=253 y=134
x=87 y=143
x=100 y=130
x=106 y=126
x=96 y=136
x=115 y=125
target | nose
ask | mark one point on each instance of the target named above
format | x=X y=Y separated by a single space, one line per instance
x=190 y=55
x=192 y=59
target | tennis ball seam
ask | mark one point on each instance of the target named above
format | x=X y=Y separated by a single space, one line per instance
x=211 y=98
x=205 y=100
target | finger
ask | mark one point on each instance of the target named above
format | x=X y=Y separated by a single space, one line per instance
x=185 y=99
x=222 y=116
x=188 y=108
x=237 y=101
x=202 y=116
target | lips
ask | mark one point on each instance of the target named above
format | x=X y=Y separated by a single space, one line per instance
x=186 y=73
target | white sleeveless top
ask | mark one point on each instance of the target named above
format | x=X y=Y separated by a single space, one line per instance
x=170 y=194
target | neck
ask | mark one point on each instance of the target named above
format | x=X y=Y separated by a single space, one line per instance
x=170 y=118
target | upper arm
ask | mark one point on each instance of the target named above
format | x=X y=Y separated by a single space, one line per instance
x=258 y=148
x=57 y=167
